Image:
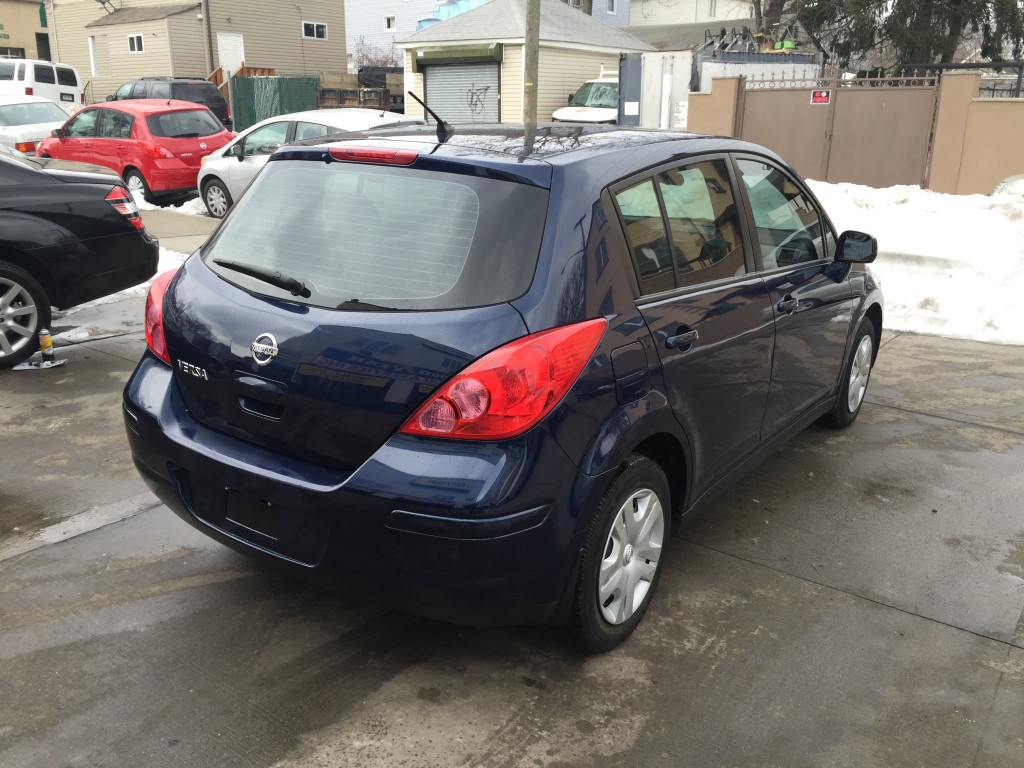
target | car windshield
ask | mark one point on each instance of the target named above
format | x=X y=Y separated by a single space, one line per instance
x=30 y=114
x=188 y=124
x=364 y=237
x=603 y=94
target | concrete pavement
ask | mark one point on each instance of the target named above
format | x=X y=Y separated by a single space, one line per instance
x=855 y=601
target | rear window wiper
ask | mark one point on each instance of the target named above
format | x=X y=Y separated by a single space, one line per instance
x=184 y=136
x=271 y=276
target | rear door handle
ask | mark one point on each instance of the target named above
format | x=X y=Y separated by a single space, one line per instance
x=682 y=341
x=788 y=304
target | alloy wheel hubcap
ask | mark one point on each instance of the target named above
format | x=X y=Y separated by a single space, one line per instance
x=860 y=369
x=631 y=556
x=216 y=201
x=135 y=185
x=18 y=317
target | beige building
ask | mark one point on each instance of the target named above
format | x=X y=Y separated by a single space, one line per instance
x=471 y=66
x=112 y=42
x=23 y=32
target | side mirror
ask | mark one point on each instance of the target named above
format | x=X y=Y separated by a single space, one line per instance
x=856 y=248
x=57 y=133
x=569 y=99
x=111 y=97
x=236 y=151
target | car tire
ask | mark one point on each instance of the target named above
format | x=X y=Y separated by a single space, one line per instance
x=136 y=183
x=622 y=558
x=217 y=198
x=24 y=310
x=854 y=382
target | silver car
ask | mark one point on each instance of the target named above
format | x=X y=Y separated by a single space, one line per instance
x=27 y=120
x=226 y=173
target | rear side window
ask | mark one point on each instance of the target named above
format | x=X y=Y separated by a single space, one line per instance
x=67 y=76
x=376 y=237
x=6 y=71
x=184 y=125
x=44 y=74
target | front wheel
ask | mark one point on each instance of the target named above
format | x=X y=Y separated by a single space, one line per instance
x=622 y=557
x=24 y=310
x=855 y=378
x=137 y=185
x=217 y=198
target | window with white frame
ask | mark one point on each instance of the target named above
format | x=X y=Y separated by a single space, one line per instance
x=390 y=22
x=314 y=30
x=612 y=7
x=135 y=44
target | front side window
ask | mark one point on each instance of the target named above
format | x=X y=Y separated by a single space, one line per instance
x=135 y=44
x=314 y=30
x=44 y=74
x=789 y=226
x=368 y=237
x=263 y=141
x=83 y=125
x=124 y=91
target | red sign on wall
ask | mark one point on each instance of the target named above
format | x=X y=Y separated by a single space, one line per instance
x=821 y=97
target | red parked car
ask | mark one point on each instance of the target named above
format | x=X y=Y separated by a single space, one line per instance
x=156 y=145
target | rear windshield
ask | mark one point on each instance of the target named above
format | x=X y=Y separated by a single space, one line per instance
x=66 y=76
x=6 y=70
x=199 y=92
x=365 y=237
x=31 y=113
x=190 y=124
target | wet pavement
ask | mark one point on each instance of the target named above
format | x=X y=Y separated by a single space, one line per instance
x=854 y=601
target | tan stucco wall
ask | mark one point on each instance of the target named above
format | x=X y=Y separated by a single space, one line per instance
x=956 y=92
x=20 y=22
x=715 y=113
x=993 y=146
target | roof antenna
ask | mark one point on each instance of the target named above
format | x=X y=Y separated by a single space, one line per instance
x=444 y=130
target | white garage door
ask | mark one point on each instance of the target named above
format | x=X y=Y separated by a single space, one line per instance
x=463 y=93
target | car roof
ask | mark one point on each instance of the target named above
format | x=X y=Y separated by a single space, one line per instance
x=150 y=106
x=347 y=118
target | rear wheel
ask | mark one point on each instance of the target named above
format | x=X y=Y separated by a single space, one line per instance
x=137 y=185
x=217 y=198
x=855 y=378
x=622 y=557
x=24 y=310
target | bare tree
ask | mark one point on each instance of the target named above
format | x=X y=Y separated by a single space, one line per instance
x=368 y=55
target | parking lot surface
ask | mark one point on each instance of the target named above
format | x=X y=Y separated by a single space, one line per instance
x=855 y=601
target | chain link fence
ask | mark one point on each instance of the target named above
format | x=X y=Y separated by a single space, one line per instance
x=257 y=98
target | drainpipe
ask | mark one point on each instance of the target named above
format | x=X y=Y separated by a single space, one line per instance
x=52 y=17
x=205 y=8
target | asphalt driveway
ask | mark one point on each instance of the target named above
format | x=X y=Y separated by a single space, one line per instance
x=855 y=601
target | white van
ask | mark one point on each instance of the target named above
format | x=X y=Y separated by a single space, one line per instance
x=596 y=101
x=59 y=83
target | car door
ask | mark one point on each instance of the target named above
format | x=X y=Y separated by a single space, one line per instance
x=112 y=136
x=256 y=149
x=810 y=293
x=708 y=312
x=79 y=137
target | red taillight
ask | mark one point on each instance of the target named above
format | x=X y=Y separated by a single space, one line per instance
x=29 y=91
x=124 y=203
x=159 y=151
x=509 y=390
x=25 y=146
x=374 y=155
x=155 y=316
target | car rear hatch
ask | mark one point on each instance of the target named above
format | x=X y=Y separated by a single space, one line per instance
x=402 y=276
x=189 y=134
x=204 y=93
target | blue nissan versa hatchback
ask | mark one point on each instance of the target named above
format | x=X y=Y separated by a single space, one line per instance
x=481 y=380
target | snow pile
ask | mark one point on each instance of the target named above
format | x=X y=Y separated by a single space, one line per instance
x=950 y=265
x=194 y=206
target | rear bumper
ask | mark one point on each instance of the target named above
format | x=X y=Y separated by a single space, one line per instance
x=482 y=537
x=172 y=176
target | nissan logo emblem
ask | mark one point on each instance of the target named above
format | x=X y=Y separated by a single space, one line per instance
x=264 y=349
x=202 y=145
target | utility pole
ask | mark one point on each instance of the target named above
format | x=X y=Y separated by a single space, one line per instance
x=530 y=56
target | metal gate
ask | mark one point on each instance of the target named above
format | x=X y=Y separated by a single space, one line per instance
x=875 y=132
x=463 y=93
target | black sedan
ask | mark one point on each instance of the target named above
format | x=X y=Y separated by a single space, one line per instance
x=69 y=233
